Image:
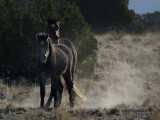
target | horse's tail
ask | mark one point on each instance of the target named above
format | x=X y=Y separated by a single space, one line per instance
x=78 y=93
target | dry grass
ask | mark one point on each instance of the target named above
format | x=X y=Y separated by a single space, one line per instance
x=127 y=78
x=131 y=67
x=127 y=72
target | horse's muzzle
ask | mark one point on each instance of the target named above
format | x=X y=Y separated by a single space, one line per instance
x=43 y=61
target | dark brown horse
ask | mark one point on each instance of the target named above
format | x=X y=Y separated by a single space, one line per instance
x=54 y=61
x=53 y=31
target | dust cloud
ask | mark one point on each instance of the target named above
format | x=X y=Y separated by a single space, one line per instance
x=120 y=86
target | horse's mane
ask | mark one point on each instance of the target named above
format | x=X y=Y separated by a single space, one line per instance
x=52 y=51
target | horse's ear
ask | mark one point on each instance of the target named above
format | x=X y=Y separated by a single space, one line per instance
x=38 y=35
x=57 y=20
x=48 y=19
x=46 y=35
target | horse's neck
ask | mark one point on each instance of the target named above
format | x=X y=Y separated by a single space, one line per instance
x=52 y=35
x=52 y=55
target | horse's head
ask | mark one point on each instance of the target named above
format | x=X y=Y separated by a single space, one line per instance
x=53 y=29
x=53 y=24
x=43 y=46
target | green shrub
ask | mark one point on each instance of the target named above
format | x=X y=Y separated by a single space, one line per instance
x=20 y=21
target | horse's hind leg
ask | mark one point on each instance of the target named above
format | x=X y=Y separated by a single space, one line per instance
x=74 y=63
x=68 y=79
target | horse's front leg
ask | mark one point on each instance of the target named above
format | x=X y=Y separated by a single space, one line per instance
x=59 y=91
x=42 y=88
x=50 y=97
x=53 y=92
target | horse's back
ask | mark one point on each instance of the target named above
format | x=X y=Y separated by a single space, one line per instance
x=73 y=50
x=67 y=51
x=61 y=60
x=69 y=44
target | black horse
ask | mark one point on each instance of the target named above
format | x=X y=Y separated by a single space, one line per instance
x=53 y=30
x=54 y=61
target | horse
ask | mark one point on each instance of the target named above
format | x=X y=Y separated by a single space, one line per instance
x=54 y=60
x=53 y=30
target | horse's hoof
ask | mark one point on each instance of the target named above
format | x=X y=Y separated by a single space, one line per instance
x=42 y=106
x=47 y=109
x=46 y=106
x=72 y=105
x=55 y=107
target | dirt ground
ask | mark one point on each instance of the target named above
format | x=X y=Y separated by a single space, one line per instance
x=20 y=113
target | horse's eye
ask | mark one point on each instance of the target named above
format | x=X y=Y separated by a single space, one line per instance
x=42 y=43
x=47 y=40
x=53 y=25
x=46 y=44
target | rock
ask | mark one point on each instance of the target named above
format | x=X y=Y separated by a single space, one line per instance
x=113 y=111
x=97 y=113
